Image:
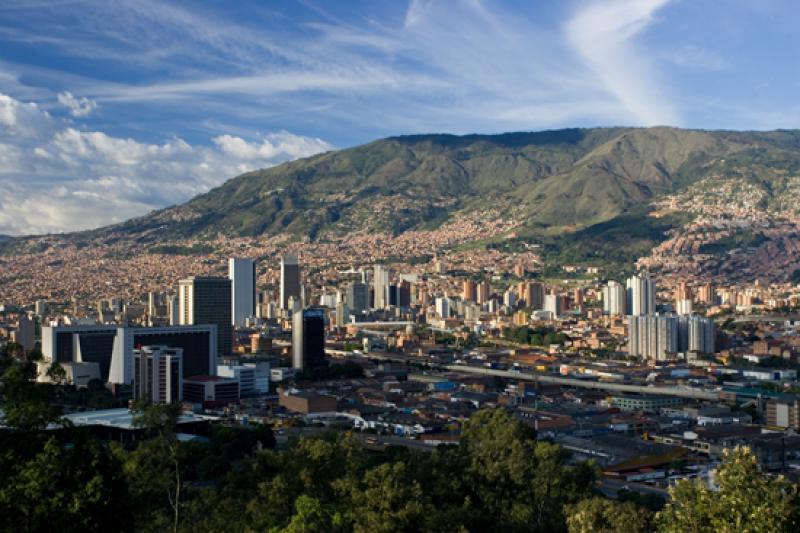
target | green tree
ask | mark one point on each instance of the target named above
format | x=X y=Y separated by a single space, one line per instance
x=156 y=468
x=27 y=405
x=517 y=483
x=387 y=500
x=748 y=501
x=75 y=488
x=599 y=515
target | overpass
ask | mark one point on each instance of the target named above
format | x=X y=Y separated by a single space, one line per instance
x=681 y=392
x=696 y=394
x=766 y=318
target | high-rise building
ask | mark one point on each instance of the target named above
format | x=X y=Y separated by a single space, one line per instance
x=641 y=295
x=158 y=374
x=290 y=280
x=483 y=292
x=653 y=337
x=380 y=283
x=697 y=334
x=661 y=337
x=468 y=293
x=40 y=308
x=24 y=335
x=614 y=297
x=552 y=304
x=707 y=294
x=208 y=301
x=242 y=273
x=173 y=311
x=443 y=307
x=509 y=298
x=533 y=294
x=358 y=297
x=577 y=296
x=308 y=338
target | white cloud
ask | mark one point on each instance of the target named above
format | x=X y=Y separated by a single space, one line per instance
x=602 y=33
x=78 y=107
x=695 y=57
x=55 y=177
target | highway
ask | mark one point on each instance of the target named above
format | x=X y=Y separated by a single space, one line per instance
x=681 y=392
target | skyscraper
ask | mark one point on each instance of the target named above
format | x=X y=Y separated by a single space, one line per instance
x=469 y=292
x=242 y=273
x=358 y=297
x=641 y=295
x=380 y=283
x=290 y=280
x=308 y=338
x=614 y=297
x=208 y=301
x=483 y=292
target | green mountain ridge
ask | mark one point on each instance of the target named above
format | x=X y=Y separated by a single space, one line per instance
x=551 y=181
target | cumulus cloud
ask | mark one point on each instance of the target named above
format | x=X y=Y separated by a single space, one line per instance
x=55 y=177
x=78 y=107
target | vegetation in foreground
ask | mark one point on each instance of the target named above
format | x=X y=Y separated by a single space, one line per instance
x=499 y=479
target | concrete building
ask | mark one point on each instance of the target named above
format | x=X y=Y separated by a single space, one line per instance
x=25 y=333
x=380 y=283
x=306 y=402
x=242 y=273
x=469 y=291
x=641 y=295
x=207 y=300
x=552 y=304
x=158 y=374
x=112 y=347
x=211 y=390
x=784 y=413
x=614 y=297
x=443 y=307
x=653 y=337
x=357 y=297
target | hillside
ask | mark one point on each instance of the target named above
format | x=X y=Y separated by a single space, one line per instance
x=567 y=188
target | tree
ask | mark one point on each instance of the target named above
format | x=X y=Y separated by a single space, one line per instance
x=748 y=501
x=26 y=404
x=387 y=500
x=518 y=484
x=599 y=515
x=156 y=466
x=76 y=488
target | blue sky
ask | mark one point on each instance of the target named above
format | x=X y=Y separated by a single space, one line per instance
x=111 y=109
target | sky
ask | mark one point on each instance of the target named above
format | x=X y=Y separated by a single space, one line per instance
x=111 y=109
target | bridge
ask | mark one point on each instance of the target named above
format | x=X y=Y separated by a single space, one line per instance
x=681 y=392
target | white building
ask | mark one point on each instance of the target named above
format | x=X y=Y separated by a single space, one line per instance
x=614 y=297
x=641 y=295
x=443 y=307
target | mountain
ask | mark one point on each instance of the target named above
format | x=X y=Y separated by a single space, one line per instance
x=554 y=180
x=573 y=186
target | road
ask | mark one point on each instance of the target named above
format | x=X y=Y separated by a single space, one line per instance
x=681 y=392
